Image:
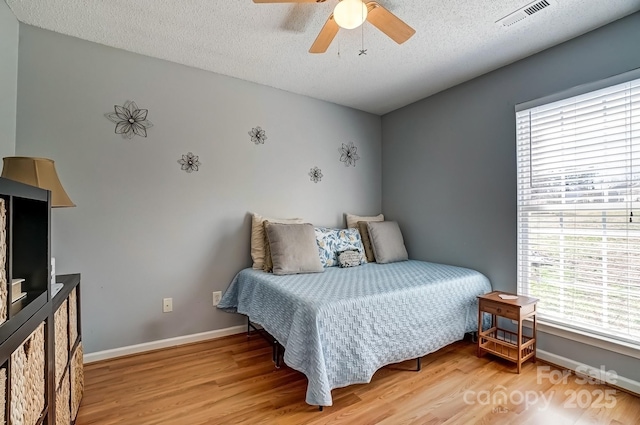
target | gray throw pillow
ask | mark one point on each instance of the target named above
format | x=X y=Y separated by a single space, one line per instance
x=293 y=248
x=387 y=242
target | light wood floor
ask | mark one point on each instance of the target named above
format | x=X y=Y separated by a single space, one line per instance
x=233 y=381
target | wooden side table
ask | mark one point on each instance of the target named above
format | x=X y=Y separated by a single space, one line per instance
x=513 y=346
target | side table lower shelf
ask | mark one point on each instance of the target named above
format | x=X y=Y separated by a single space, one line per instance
x=504 y=343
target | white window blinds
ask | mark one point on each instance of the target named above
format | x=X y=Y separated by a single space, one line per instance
x=579 y=209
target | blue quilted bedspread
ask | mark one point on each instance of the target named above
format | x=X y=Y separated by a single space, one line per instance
x=340 y=326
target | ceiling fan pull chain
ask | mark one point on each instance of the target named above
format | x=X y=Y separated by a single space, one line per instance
x=363 y=51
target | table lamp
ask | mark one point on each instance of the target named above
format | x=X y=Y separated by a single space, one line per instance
x=39 y=172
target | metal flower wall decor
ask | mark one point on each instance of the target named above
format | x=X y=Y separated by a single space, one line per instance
x=315 y=174
x=258 y=135
x=130 y=120
x=189 y=162
x=348 y=154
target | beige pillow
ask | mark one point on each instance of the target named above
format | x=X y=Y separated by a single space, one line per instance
x=293 y=248
x=352 y=219
x=257 y=236
x=267 y=264
x=387 y=242
x=366 y=242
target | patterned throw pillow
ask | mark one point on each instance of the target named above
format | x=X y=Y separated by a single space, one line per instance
x=333 y=241
x=350 y=258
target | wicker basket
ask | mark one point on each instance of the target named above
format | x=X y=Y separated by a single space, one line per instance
x=3 y=262
x=27 y=379
x=3 y=396
x=77 y=381
x=63 y=402
x=61 y=340
x=73 y=317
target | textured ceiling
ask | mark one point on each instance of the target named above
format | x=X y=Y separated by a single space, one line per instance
x=455 y=40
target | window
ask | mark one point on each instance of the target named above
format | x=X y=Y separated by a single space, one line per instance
x=578 y=157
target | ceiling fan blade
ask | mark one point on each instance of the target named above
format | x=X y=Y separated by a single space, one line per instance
x=326 y=36
x=289 y=1
x=388 y=23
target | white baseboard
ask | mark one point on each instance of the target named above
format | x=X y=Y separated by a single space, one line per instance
x=163 y=343
x=595 y=372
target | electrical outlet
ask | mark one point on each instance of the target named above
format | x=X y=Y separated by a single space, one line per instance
x=217 y=296
x=167 y=305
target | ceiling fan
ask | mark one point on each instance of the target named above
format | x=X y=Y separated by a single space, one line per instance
x=349 y=14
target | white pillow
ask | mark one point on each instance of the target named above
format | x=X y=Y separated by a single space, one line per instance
x=352 y=219
x=257 y=236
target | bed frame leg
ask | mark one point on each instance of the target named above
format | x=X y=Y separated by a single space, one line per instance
x=275 y=345
x=276 y=353
x=474 y=336
x=419 y=366
x=320 y=408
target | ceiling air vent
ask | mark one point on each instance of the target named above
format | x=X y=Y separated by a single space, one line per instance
x=524 y=12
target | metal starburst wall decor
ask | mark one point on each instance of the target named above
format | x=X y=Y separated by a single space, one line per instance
x=258 y=136
x=348 y=154
x=315 y=174
x=130 y=120
x=189 y=162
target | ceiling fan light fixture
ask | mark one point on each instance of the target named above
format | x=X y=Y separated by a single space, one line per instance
x=350 y=14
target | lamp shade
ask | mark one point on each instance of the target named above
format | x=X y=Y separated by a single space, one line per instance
x=39 y=172
x=350 y=14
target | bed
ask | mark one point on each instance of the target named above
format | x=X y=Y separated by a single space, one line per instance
x=340 y=326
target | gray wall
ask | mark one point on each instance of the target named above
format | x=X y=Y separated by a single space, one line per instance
x=143 y=229
x=449 y=164
x=8 y=79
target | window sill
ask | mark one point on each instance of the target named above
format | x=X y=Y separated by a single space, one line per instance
x=599 y=341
